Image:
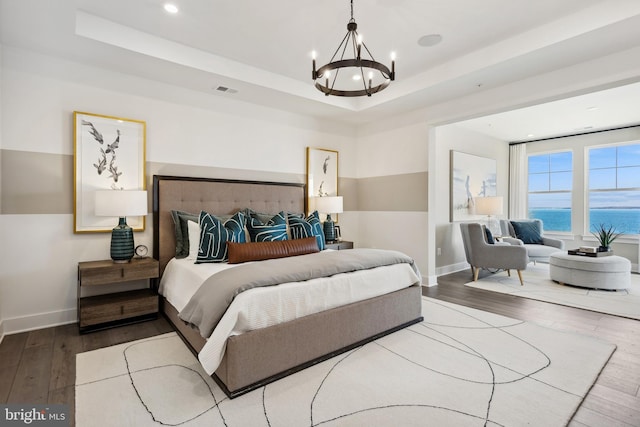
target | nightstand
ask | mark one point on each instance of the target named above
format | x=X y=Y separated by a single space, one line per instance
x=343 y=244
x=113 y=309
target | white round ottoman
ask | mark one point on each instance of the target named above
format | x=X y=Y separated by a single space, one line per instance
x=608 y=272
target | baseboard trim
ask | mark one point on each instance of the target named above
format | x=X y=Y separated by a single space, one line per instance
x=430 y=281
x=1 y=330
x=33 y=322
x=451 y=268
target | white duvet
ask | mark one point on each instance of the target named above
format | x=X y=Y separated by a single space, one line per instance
x=266 y=306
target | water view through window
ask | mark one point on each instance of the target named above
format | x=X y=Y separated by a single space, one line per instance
x=626 y=221
x=613 y=189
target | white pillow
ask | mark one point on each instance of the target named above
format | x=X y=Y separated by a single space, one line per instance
x=194 y=240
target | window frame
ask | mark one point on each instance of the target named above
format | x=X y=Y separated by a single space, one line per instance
x=625 y=237
x=549 y=172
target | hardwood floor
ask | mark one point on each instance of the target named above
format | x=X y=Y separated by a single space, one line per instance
x=39 y=366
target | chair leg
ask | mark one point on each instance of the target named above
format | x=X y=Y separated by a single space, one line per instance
x=475 y=274
x=509 y=273
x=473 y=271
x=520 y=276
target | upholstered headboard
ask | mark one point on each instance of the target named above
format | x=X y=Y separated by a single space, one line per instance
x=218 y=196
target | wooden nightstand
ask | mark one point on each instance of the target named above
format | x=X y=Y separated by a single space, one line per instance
x=104 y=311
x=343 y=244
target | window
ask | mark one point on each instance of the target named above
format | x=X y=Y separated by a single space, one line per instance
x=550 y=184
x=614 y=188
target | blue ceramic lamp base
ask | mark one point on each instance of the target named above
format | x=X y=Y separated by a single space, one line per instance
x=122 y=242
x=329 y=229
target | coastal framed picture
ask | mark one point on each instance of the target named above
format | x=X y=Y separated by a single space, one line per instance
x=471 y=176
x=109 y=153
x=322 y=174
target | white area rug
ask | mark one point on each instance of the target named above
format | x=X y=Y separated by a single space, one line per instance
x=460 y=366
x=538 y=286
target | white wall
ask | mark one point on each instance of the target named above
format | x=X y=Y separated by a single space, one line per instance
x=447 y=234
x=394 y=151
x=39 y=253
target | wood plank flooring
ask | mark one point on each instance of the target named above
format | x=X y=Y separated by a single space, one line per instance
x=39 y=366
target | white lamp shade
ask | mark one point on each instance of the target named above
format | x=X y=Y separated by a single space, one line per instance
x=121 y=203
x=489 y=205
x=328 y=204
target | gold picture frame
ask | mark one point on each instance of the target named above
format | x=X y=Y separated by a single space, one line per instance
x=322 y=174
x=109 y=153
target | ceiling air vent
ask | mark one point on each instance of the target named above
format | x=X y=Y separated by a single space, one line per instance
x=226 y=89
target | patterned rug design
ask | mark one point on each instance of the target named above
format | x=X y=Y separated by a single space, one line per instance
x=459 y=366
x=538 y=286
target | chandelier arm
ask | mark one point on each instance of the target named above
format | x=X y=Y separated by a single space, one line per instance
x=364 y=82
x=367 y=49
x=339 y=46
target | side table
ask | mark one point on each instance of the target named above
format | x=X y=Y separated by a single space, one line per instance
x=113 y=309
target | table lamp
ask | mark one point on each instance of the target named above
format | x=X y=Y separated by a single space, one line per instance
x=490 y=206
x=329 y=205
x=121 y=204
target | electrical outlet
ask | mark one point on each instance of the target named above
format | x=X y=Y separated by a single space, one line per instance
x=439 y=251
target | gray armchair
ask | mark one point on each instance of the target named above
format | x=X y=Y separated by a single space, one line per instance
x=536 y=252
x=481 y=254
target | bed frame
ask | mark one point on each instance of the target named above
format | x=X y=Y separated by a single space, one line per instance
x=259 y=357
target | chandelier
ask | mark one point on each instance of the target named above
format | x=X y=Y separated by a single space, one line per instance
x=326 y=76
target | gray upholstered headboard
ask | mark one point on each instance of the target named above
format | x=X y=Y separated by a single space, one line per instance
x=218 y=196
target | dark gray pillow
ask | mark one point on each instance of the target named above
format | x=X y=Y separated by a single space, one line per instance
x=180 y=219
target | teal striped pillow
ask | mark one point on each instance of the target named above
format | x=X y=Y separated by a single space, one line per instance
x=307 y=227
x=214 y=235
x=274 y=229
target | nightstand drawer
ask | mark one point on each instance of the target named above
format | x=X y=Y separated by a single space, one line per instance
x=338 y=246
x=119 y=306
x=106 y=272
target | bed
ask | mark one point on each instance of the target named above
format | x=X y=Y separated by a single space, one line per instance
x=258 y=357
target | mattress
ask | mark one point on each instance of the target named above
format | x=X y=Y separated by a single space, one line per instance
x=266 y=306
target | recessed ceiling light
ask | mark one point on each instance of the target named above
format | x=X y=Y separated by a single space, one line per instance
x=430 y=40
x=530 y=135
x=592 y=108
x=171 y=8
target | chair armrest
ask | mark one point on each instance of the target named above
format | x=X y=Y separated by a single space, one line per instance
x=556 y=243
x=513 y=241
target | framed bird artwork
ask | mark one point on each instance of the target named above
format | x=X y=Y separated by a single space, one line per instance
x=322 y=174
x=109 y=154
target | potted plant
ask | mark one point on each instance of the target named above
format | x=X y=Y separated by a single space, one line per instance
x=605 y=235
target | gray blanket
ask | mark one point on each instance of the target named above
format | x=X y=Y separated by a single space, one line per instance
x=209 y=303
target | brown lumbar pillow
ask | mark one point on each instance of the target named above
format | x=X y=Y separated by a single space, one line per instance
x=259 y=251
